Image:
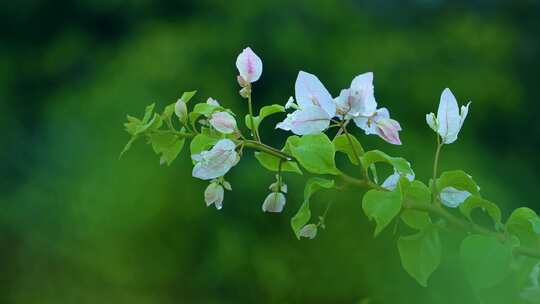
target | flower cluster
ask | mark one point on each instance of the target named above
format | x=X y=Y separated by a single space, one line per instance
x=217 y=145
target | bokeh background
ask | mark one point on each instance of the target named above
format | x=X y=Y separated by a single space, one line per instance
x=78 y=225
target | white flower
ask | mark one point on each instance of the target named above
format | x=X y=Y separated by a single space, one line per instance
x=214 y=195
x=452 y=197
x=212 y=101
x=391 y=181
x=308 y=231
x=359 y=99
x=380 y=124
x=223 y=122
x=249 y=65
x=449 y=119
x=216 y=162
x=316 y=107
x=180 y=109
x=274 y=202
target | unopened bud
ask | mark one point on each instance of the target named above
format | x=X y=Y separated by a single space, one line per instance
x=180 y=109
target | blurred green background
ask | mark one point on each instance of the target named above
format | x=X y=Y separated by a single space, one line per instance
x=77 y=225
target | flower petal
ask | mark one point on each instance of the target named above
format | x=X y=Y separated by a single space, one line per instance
x=216 y=162
x=363 y=92
x=249 y=65
x=274 y=202
x=309 y=120
x=452 y=197
x=448 y=117
x=214 y=195
x=223 y=122
x=388 y=129
x=308 y=231
x=391 y=181
x=432 y=121
x=309 y=91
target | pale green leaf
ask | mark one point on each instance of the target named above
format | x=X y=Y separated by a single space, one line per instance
x=521 y=224
x=342 y=144
x=315 y=153
x=485 y=259
x=473 y=202
x=271 y=163
x=382 y=206
x=166 y=144
x=186 y=96
x=263 y=113
x=420 y=254
x=374 y=156
x=459 y=180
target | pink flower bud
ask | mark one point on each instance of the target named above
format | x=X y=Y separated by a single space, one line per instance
x=249 y=65
x=388 y=129
x=223 y=122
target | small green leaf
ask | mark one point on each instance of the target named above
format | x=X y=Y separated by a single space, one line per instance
x=201 y=142
x=136 y=127
x=205 y=109
x=263 y=113
x=416 y=194
x=382 y=206
x=374 y=156
x=485 y=260
x=186 y=96
x=168 y=112
x=521 y=223
x=303 y=215
x=272 y=163
x=314 y=152
x=167 y=144
x=473 y=202
x=459 y=180
x=132 y=125
x=420 y=254
x=342 y=144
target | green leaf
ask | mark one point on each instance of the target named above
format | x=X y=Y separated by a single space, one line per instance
x=459 y=180
x=416 y=194
x=168 y=112
x=167 y=144
x=271 y=163
x=201 y=142
x=374 y=156
x=205 y=109
x=342 y=144
x=521 y=223
x=303 y=215
x=485 y=260
x=473 y=202
x=535 y=222
x=315 y=153
x=136 y=127
x=263 y=113
x=382 y=206
x=186 y=96
x=420 y=254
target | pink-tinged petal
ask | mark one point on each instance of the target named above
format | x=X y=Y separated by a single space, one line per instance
x=216 y=162
x=286 y=124
x=388 y=129
x=214 y=195
x=369 y=124
x=448 y=117
x=309 y=120
x=223 y=122
x=346 y=105
x=309 y=91
x=249 y=65
x=362 y=91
